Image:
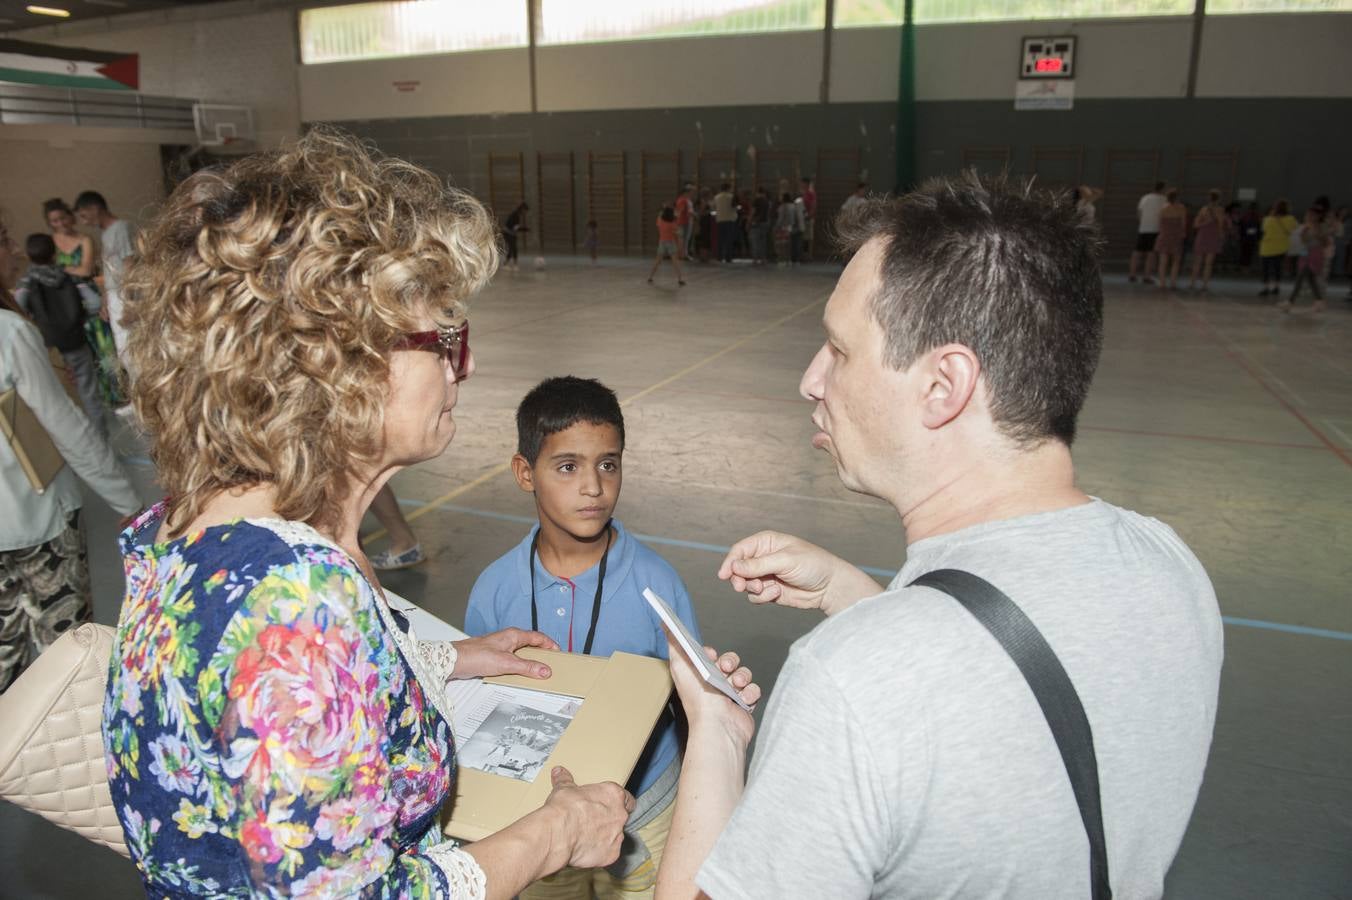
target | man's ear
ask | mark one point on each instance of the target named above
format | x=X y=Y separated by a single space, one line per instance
x=950 y=376
x=523 y=473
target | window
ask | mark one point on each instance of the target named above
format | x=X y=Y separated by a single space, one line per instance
x=868 y=13
x=995 y=10
x=1227 y=7
x=409 y=28
x=573 y=22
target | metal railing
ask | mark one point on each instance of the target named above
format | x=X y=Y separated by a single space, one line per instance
x=31 y=104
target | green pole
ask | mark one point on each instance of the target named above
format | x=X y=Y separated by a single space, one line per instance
x=905 y=148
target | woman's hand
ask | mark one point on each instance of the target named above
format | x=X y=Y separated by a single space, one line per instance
x=706 y=706
x=495 y=654
x=590 y=819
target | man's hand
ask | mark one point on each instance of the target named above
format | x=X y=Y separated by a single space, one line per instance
x=770 y=567
x=706 y=706
x=495 y=654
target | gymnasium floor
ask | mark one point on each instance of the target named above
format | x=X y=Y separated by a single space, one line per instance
x=1219 y=415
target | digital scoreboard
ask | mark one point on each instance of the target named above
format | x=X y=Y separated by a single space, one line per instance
x=1047 y=57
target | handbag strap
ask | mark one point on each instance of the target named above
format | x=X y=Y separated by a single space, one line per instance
x=1053 y=690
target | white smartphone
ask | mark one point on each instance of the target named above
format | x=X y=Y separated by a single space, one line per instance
x=692 y=648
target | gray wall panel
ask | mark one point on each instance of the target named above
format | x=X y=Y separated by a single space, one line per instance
x=1287 y=147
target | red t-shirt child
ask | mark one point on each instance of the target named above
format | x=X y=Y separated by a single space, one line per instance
x=682 y=211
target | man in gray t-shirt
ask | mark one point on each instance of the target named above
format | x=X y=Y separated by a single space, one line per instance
x=903 y=753
x=116 y=243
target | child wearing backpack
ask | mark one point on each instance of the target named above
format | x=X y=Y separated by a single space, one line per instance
x=48 y=294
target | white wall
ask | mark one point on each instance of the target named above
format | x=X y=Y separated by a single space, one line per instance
x=44 y=161
x=1138 y=59
x=454 y=84
x=737 y=70
x=865 y=64
x=230 y=52
x=225 y=54
x=1308 y=55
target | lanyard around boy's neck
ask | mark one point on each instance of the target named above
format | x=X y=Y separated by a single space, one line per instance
x=596 y=602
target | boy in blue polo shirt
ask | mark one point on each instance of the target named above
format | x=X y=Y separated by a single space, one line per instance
x=570 y=442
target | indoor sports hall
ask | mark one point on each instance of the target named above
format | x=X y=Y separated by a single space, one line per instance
x=1220 y=408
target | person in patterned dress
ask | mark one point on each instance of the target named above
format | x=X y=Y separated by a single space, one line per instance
x=272 y=728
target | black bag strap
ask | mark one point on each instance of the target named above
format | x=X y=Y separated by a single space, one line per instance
x=1052 y=687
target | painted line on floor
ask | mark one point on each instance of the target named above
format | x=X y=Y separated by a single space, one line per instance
x=633 y=398
x=1201 y=324
x=886 y=574
x=1207 y=438
x=1289 y=629
x=861 y=504
x=645 y=538
x=736 y=345
x=1342 y=435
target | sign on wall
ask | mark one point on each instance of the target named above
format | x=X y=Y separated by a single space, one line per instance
x=1043 y=95
x=73 y=67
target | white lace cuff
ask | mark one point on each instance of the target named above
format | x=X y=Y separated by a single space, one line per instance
x=439 y=657
x=463 y=875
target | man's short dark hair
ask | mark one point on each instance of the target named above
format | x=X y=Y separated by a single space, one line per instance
x=556 y=404
x=91 y=198
x=1006 y=270
x=725 y=186
x=40 y=249
x=1159 y=186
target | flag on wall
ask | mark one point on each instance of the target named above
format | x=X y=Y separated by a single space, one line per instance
x=74 y=67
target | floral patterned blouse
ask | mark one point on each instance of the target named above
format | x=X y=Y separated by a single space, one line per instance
x=265 y=727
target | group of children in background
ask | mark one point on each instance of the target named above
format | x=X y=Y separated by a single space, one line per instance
x=578 y=576
x=71 y=292
x=727 y=225
x=1309 y=243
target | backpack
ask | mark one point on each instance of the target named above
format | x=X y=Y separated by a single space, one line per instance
x=59 y=314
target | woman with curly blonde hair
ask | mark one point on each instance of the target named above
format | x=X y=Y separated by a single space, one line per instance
x=297 y=328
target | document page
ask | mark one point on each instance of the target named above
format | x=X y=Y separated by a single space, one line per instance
x=507 y=731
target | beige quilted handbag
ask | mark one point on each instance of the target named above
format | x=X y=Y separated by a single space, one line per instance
x=51 y=748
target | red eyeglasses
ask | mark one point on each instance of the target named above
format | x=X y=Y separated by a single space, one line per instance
x=452 y=343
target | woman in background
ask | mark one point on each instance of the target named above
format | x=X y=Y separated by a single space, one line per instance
x=44 y=572
x=1278 y=226
x=1169 y=244
x=1211 y=227
x=75 y=253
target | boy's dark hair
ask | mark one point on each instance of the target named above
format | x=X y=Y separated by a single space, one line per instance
x=559 y=403
x=40 y=249
x=725 y=186
x=91 y=198
x=668 y=214
x=1159 y=186
x=1006 y=270
x=53 y=205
